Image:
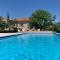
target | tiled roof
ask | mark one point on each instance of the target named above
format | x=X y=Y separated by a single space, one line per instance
x=22 y=19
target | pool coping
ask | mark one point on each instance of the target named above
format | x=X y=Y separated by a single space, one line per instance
x=46 y=32
x=9 y=34
x=20 y=33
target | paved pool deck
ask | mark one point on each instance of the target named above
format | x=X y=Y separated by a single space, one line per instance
x=9 y=34
x=20 y=33
x=46 y=32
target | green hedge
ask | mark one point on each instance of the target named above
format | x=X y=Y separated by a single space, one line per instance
x=57 y=28
x=9 y=31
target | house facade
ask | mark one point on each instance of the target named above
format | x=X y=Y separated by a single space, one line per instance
x=22 y=24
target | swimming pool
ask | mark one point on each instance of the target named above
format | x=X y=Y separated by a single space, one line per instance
x=30 y=47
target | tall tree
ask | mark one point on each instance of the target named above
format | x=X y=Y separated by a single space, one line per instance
x=41 y=19
x=8 y=20
x=8 y=15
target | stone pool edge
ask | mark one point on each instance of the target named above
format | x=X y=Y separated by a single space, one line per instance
x=20 y=33
x=9 y=34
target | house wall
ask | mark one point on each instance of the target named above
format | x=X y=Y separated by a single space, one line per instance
x=23 y=25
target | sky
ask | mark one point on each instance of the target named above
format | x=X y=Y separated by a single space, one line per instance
x=24 y=8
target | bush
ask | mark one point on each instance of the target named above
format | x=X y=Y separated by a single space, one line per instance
x=57 y=30
x=57 y=27
x=9 y=31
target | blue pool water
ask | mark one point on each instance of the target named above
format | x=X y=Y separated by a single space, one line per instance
x=30 y=47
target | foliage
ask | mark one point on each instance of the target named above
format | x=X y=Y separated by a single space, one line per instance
x=6 y=24
x=57 y=27
x=3 y=25
x=10 y=23
x=41 y=19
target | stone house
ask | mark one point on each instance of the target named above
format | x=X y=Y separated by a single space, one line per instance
x=22 y=24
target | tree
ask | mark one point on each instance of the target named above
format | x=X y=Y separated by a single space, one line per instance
x=1 y=18
x=41 y=19
x=3 y=25
x=57 y=27
x=8 y=16
x=10 y=22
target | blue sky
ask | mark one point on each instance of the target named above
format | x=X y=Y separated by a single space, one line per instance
x=24 y=8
